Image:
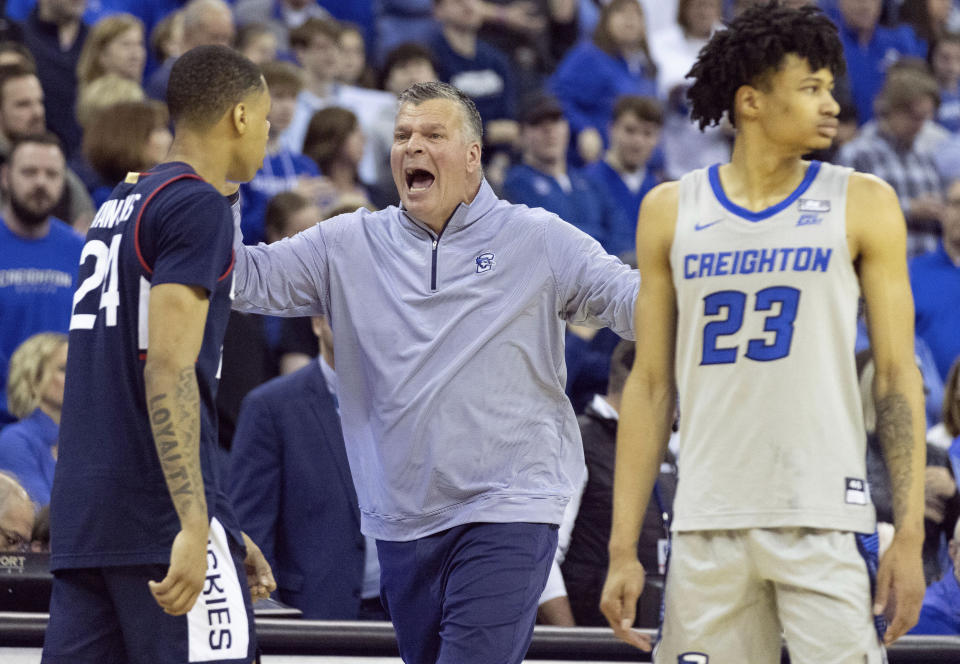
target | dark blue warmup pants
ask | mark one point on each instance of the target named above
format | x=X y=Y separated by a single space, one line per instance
x=468 y=594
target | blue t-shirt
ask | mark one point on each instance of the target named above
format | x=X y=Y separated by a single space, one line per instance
x=588 y=81
x=279 y=173
x=948 y=113
x=37 y=280
x=26 y=450
x=486 y=78
x=110 y=503
x=582 y=206
x=867 y=64
x=935 y=281
x=940 y=613
x=621 y=231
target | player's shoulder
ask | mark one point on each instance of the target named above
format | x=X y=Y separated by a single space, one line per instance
x=658 y=215
x=661 y=203
x=871 y=203
x=868 y=185
x=873 y=216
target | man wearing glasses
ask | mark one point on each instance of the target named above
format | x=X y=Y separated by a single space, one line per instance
x=16 y=516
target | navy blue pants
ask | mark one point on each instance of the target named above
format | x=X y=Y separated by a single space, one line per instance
x=106 y=615
x=467 y=594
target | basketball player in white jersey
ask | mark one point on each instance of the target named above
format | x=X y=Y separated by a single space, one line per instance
x=751 y=276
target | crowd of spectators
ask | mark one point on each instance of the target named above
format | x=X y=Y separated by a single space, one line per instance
x=584 y=111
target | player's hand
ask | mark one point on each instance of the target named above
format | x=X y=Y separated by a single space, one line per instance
x=259 y=576
x=619 y=601
x=179 y=589
x=900 y=586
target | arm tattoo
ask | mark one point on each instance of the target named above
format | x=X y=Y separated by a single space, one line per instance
x=175 y=421
x=895 y=434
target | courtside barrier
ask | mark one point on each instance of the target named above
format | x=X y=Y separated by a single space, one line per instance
x=319 y=637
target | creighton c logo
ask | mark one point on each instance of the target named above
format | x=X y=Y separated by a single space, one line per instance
x=484 y=262
x=693 y=658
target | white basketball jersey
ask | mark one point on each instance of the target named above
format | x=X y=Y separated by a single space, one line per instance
x=771 y=431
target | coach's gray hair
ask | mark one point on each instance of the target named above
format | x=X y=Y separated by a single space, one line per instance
x=418 y=93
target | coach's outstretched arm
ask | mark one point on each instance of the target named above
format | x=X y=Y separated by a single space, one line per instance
x=178 y=315
x=877 y=233
x=649 y=396
x=286 y=278
x=597 y=289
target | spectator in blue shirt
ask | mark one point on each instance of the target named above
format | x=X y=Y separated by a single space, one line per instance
x=870 y=48
x=935 y=280
x=945 y=63
x=624 y=175
x=204 y=22
x=477 y=68
x=28 y=448
x=283 y=169
x=592 y=75
x=542 y=180
x=940 y=613
x=55 y=33
x=39 y=255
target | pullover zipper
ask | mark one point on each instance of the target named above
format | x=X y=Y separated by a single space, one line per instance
x=433 y=262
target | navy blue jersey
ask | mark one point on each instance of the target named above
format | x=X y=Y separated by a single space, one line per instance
x=110 y=504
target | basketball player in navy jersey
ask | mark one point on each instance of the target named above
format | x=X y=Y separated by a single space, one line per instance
x=751 y=276
x=148 y=556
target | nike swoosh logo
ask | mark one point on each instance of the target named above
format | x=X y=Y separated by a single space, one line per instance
x=700 y=227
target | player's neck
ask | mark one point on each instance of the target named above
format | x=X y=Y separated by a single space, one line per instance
x=756 y=179
x=203 y=157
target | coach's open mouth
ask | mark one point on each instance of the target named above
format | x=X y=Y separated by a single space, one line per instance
x=419 y=179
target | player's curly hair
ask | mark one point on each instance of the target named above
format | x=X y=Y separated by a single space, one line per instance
x=751 y=48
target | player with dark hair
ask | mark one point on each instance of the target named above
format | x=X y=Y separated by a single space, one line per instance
x=751 y=276
x=148 y=554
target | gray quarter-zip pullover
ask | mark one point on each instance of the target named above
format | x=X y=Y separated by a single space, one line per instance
x=449 y=353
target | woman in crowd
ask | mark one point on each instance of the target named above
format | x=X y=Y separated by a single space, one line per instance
x=685 y=147
x=353 y=58
x=675 y=47
x=125 y=137
x=593 y=74
x=258 y=42
x=28 y=448
x=283 y=169
x=115 y=45
x=166 y=39
x=944 y=58
x=335 y=142
x=928 y=18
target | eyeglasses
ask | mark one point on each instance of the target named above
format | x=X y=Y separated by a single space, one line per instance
x=13 y=542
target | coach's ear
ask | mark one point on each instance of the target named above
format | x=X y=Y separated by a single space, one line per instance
x=5 y=177
x=239 y=116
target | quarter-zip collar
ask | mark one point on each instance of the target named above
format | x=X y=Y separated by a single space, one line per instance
x=464 y=214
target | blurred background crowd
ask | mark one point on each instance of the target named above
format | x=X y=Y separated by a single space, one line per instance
x=584 y=108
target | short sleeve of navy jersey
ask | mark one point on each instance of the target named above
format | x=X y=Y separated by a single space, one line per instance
x=186 y=235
